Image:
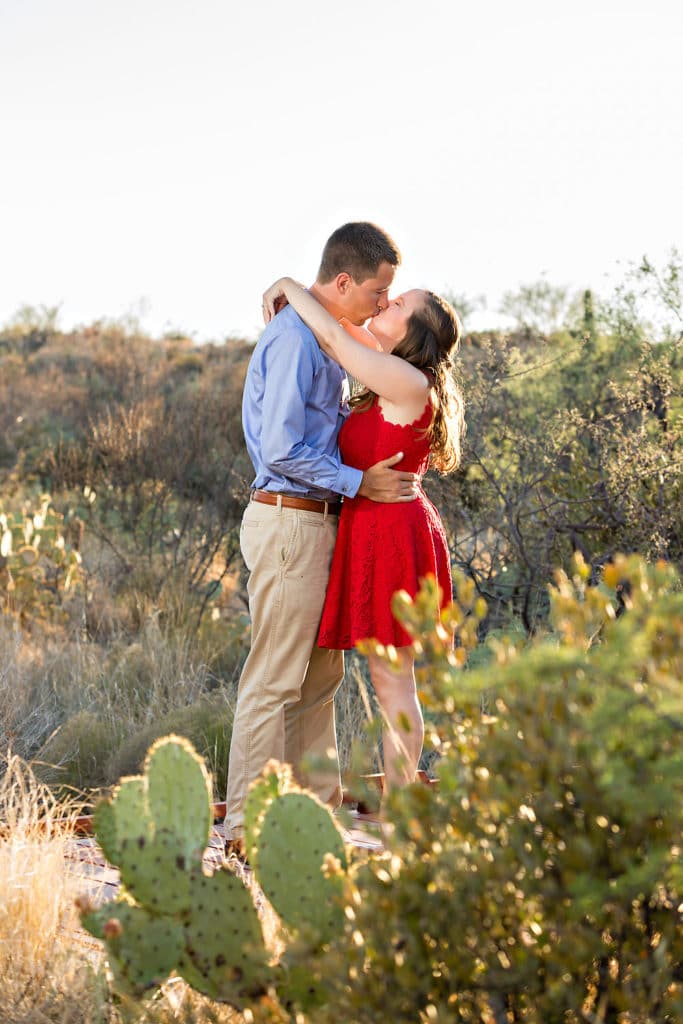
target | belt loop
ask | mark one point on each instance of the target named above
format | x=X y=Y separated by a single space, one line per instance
x=279 y=504
x=325 y=513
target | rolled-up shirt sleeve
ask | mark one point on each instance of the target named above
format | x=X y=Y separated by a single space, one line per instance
x=286 y=449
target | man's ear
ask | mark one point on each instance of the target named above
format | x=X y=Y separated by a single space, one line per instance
x=343 y=282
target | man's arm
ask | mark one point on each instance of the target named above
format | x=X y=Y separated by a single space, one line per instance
x=387 y=375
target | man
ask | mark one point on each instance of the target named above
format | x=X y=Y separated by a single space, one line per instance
x=293 y=408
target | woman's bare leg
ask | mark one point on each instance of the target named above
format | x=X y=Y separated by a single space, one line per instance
x=403 y=730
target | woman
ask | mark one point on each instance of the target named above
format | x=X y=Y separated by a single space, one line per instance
x=410 y=403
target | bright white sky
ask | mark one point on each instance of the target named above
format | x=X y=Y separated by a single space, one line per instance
x=177 y=156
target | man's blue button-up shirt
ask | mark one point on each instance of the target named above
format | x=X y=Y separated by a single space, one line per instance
x=292 y=410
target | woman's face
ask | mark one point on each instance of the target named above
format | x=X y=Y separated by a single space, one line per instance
x=391 y=324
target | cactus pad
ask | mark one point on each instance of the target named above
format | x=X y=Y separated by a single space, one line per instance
x=104 y=819
x=275 y=780
x=155 y=872
x=296 y=833
x=143 y=949
x=131 y=813
x=179 y=793
x=225 y=956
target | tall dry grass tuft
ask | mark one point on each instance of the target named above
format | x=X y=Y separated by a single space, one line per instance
x=41 y=683
x=45 y=976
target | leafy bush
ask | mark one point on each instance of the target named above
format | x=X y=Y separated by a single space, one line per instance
x=76 y=754
x=573 y=444
x=542 y=880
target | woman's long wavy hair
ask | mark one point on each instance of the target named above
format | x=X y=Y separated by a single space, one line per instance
x=431 y=343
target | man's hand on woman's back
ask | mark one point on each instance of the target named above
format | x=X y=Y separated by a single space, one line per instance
x=382 y=483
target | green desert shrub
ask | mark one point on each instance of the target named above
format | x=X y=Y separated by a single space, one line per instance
x=573 y=444
x=541 y=881
x=207 y=724
x=76 y=755
x=88 y=752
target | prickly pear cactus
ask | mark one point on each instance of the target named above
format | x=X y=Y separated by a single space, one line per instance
x=155 y=872
x=300 y=860
x=275 y=780
x=172 y=916
x=40 y=571
x=179 y=793
x=143 y=949
x=124 y=816
x=297 y=853
x=300 y=982
x=224 y=954
x=155 y=828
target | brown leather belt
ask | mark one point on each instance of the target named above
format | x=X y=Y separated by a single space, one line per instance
x=333 y=508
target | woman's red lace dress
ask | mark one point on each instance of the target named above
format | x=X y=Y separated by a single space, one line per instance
x=382 y=548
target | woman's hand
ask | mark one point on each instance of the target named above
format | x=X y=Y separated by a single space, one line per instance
x=275 y=298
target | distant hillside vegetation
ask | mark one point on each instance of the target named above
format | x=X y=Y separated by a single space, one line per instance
x=123 y=476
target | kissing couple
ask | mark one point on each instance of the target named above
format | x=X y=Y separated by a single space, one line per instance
x=338 y=520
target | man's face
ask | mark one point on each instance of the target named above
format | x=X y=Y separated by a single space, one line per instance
x=361 y=301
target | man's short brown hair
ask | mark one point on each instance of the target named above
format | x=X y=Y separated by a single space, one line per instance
x=357 y=249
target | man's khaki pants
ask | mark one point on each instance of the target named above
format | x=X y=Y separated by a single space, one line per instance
x=285 y=701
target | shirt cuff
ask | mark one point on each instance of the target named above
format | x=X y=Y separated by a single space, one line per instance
x=349 y=481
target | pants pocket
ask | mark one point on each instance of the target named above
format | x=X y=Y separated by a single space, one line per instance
x=289 y=531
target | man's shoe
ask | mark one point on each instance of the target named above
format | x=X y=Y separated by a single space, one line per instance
x=235 y=852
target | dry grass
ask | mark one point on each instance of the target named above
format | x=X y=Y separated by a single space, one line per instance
x=89 y=709
x=45 y=977
x=42 y=681
x=78 y=705
x=356 y=706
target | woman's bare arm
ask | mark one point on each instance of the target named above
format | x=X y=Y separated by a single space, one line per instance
x=388 y=376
